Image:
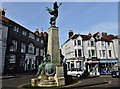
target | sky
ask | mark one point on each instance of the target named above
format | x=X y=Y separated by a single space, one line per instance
x=81 y=17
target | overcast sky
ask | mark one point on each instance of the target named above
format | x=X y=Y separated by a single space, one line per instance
x=81 y=17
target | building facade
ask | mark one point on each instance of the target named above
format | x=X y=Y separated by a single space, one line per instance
x=24 y=49
x=94 y=53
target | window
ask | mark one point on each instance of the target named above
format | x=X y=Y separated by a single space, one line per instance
x=72 y=66
x=68 y=63
x=75 y=53
x=41 y=52
x=37 y=51
x=100 y=53
x=78 y=65
x=74 y=42
x=15 y=28
x=79 y=52
x=110 y=53
x=93 y=52
x=103 y=51
x=22 y=60
x=102 y=43
x=13 y=46
x=92 y=43
x=24 y=33
x=31 y=36
x=37 y=39
x=12 y=59
x=79 y=42
x=42 y=41
x=23 y=47
x=89 y=53
x=31 y=48
x=88 y=43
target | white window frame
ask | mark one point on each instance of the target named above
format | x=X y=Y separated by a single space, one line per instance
x=23 y=47
x=12 y=59
x=15 y=28
x=31 y=48
x=14 y=45
x=37 y=51
x=32 y=36
x=24 y=33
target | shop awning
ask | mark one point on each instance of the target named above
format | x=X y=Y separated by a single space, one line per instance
x=108 y=60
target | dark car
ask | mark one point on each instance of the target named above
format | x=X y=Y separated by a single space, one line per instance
x=115 y=73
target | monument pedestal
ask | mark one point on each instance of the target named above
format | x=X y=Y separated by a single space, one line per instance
x=59 y=76
x=54 y=51
x=53 y=45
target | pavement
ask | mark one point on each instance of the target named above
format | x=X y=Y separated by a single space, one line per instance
x=15 y=75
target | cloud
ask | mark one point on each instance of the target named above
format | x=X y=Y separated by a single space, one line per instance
x=109 y=27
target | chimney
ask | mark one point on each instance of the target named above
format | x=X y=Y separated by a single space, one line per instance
x=104 y=34
x=2 y=12
x=70 y=33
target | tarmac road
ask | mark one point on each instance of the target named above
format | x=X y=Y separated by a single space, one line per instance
x=88 y=83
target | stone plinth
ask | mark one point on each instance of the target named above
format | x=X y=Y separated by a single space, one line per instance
x=59 y=76
x=34 y=82
x=53 y=45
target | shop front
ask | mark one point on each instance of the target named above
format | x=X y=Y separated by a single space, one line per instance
x=92 y=66
x=106 y=65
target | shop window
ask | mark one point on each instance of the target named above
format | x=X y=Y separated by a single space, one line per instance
x=68 y=63
x=72 y=66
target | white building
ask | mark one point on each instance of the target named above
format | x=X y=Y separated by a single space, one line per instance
x=91 y=52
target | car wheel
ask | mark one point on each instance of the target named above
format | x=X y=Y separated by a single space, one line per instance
x=78 y=75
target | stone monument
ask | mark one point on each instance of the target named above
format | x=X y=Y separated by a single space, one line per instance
x=53 y=45
x=50 y=72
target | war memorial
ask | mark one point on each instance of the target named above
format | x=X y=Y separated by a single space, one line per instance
x=50 y=71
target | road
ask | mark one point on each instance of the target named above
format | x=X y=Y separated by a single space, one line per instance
x=113 y=83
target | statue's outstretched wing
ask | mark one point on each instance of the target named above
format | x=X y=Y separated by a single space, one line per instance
x=50 y=10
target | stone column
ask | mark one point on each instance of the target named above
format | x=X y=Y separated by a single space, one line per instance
x=53 y=45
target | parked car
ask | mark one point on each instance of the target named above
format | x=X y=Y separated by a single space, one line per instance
x=115 y=73
x=75 y=72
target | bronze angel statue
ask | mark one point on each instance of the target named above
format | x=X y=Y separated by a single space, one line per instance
x=53 y=12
